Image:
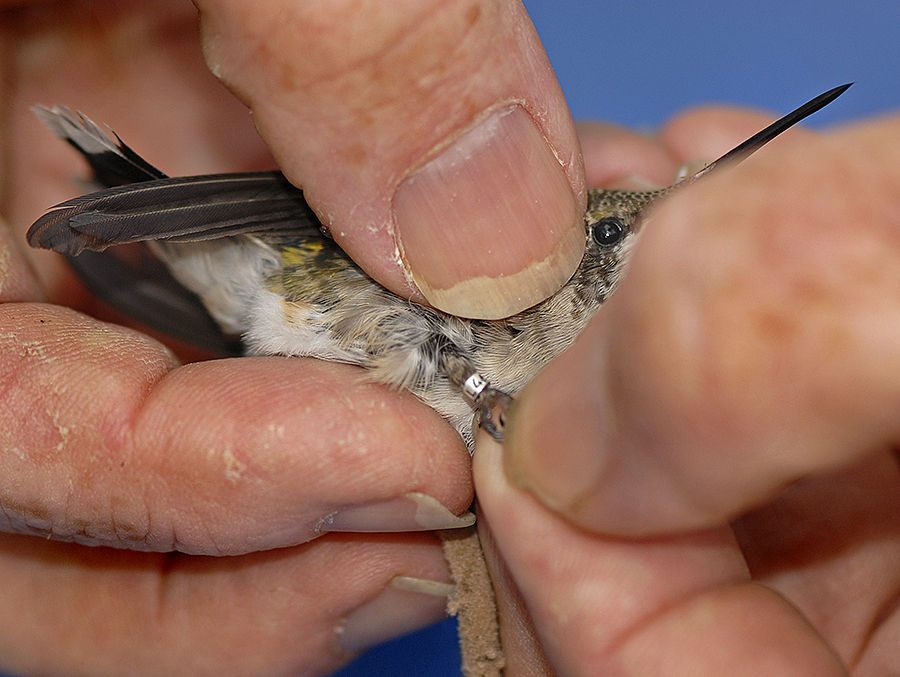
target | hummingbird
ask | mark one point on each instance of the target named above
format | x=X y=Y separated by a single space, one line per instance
x=249 y=248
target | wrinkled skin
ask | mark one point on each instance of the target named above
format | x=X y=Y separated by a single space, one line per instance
x=732 y=405
x=741 y=560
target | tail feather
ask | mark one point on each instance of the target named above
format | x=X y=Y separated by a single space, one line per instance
x=113 y=163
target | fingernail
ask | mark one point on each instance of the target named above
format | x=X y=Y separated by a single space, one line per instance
x=490 y=226
x=690 y=168
x=410 y=512
x=404 y=606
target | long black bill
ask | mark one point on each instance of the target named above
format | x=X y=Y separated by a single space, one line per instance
x=760 y=139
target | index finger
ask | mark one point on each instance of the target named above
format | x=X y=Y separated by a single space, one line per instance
x=108 y=441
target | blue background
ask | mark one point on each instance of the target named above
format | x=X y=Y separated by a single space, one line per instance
x=637 y=63
x=640 y=62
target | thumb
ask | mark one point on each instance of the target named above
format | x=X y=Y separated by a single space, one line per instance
x=753 y=342
x=431 y=138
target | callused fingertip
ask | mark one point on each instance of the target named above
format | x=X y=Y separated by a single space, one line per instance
x=491 y=225
x=211 y=42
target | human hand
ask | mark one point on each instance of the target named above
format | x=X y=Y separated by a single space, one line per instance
x=431 y=137
x=718 y=449
x=109 y=442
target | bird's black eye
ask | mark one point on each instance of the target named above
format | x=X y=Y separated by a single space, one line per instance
x=607 y=232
